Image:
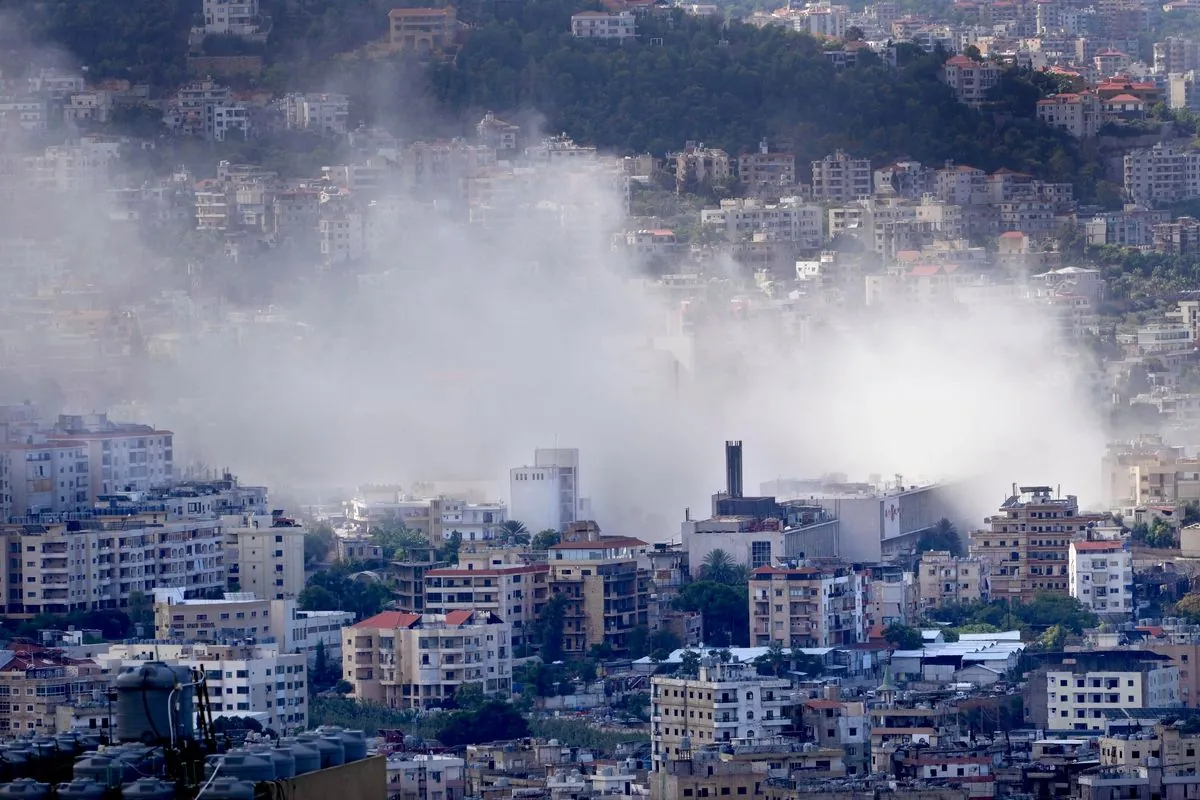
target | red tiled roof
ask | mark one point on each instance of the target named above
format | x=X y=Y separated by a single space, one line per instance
x=389 y=620
x=1097 y=546
x=1124 y=98
x=823 y=703
x=602 y=542
x=458 y=618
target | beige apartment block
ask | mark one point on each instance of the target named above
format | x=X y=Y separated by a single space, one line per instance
x=1025 y=548
x=418 y=660
x=944 y=579
x=422 y=30
x=726 y=702
x=807 y=606
x=99 y=563
x=514 y=592
x=606 y=593
x=264 y=554
x=34 y=682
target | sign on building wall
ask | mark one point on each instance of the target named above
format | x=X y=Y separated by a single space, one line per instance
x=891 y=517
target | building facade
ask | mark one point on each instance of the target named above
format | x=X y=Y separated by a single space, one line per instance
x=944 y=579
x=264 y=555
x=1101 y=576
x=808 y=607
x=419 y=661
x=605 y=594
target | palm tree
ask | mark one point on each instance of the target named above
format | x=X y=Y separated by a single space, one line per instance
x=514 y=531
x=718 y=566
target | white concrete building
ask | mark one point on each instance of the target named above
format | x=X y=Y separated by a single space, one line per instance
x=325 y=112
x=1077 y=700
x=242 y=615
x=231 y=17
x=723 y=703
x=223 y=119
x=1162 y=174
x=1101 y=576
x=747 y=219
x=243 y=680
x=122 y=457
x=603 y=25
x=839 y=178
x=425 y=777
x=546 y=495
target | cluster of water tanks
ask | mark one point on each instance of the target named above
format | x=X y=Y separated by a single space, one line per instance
x=135 y=771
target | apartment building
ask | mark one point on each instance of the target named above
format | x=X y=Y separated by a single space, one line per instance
x=99 y=562
x=618 y=25
x=439 y=518
x=832 y=722
x=725 y=702
x=244 y=680
x=39 y=477
x=1162 y=174
x=765 y=169
x=323 y=112
x=1183 y=91
x=122 y=457
x=241 y=615
x=1176 y=751
x=546 y=494
x=422 y=30
x=970 y=80
x=945 y=579
x=421 y=776
x=35 y=681
x=1079 y=694
x=894 y=727
x=891 y=595
x=606 y=594
x=808 y=606
x=513 y=591
x=840 y=178
x=745 y=219
x=1101 y=576
x=1176 y=54
x=1120 y=481
x=231 y=17
x=264 y=554
x=1025 y=548
x=419 y=660
x=1079 y=114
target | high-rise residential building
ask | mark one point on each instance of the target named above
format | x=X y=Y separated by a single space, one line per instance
x=1079 y=114
x=840 y=178
x=546 y=495
x=808 y=606
x=1176 y=54
x=243 y=679
x=725 y=702
x=1025 y=546
x=122 y=457
x=264 y=554
x=419 y=660
x=34 y=681
x=605 y=592
x=1101 y=576
x=240 y=615
x=945 y=579
x=1162 y=174
x=100 y=562
x=1120 y=465
x=498 y=583
x=231 y=17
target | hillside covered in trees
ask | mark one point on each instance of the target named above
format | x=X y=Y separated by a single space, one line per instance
x=684 y=79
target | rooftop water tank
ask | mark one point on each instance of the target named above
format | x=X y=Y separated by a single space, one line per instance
x=151 y=699
x=229 y=789
x=104 y=768
x=332 y=753
x=355 y=744
x=81 y=790
x=306 y=756
x=148 y=789
x=25 y=789
x=245 y=766
x=281 y=757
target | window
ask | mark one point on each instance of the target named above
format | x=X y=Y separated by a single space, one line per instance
x=760 y=554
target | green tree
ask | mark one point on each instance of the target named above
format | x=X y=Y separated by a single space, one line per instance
x=725 y=610
x=639 y=642
x=942 y=536
x=494 y=721
x=513 y=532
x=549 y=628
x=663 y=643
x=718 y=566
x=319 y=542
x=689 y=664
x=902 y=637
x=318 y=598
x=141 y=609
x=774 y=661
x=546 y=539
x=449 y=550
x=469 y=696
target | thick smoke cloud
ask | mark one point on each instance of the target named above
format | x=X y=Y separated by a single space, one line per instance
x=463 y=347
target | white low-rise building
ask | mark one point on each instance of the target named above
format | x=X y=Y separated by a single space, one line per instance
x=425 y=777
x=256 y=681
x=603 y=25
x=1101 y=576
